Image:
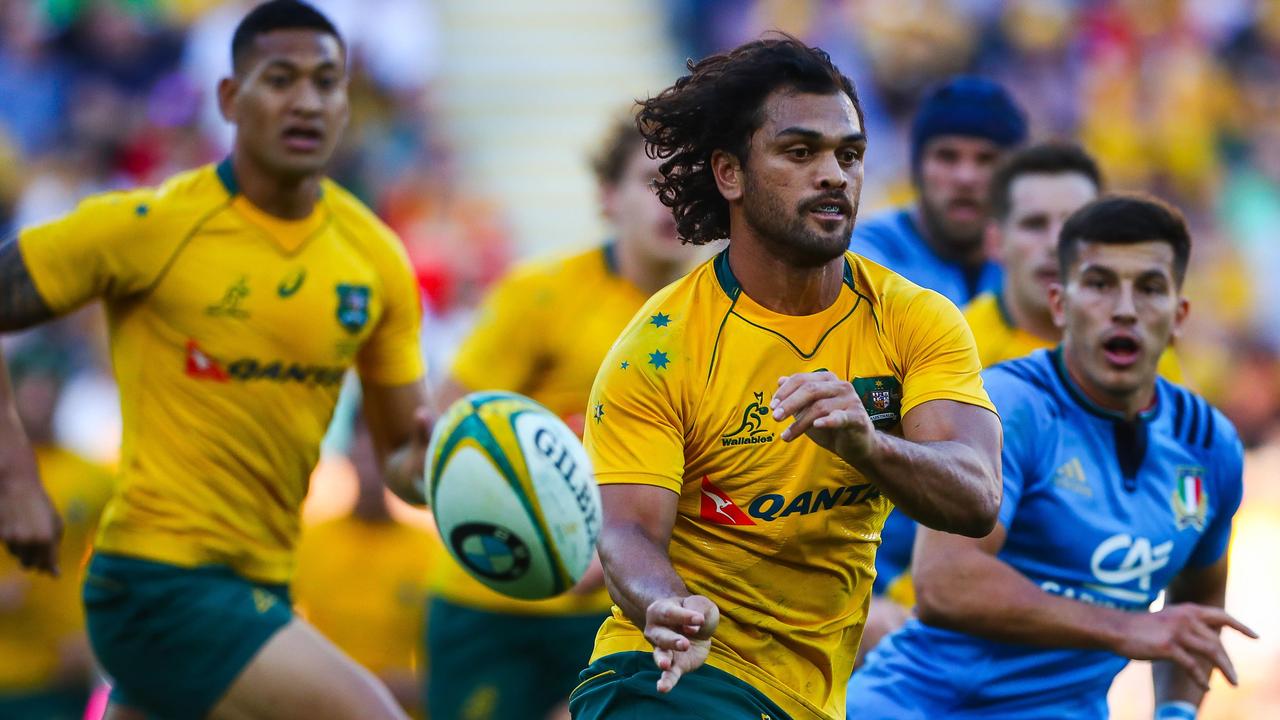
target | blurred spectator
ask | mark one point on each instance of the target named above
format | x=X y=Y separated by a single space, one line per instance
x=46 y=668
x=361 y=581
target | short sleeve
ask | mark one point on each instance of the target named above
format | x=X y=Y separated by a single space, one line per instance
x=392 y=355
x=107 y=248
x=1022 y=424
x=505 y=344
x=635 y=433
x=937 y=350
x=1228 y=483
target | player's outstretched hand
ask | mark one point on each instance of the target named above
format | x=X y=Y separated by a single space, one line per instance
x=1186 y=634
x=680 y=631
x=828 y=410
x=29 y=525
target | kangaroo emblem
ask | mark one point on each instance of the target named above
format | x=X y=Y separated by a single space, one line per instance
x=752 y=418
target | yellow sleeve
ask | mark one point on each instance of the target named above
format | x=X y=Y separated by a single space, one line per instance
x=1169 y=367
x=635 y=434
x=109 y=247
x=392 y=356
x=937 y=350
x=505 y=345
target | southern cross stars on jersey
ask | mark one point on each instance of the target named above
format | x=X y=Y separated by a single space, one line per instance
x=1097 y=509
x=230 y=334
x=998 y=340
x=780 y=535
x=892 y=239
x=542 y=332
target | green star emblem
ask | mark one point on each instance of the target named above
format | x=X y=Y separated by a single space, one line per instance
x=658 y=359
x=660 y=320
x=625 y=364
x=597 y=413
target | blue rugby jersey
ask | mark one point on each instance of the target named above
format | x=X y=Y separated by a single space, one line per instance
x=892 y=239
x=1096 y=509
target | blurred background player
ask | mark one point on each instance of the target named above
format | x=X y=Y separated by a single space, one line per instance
x=361 y=578
x=46 y=668
x=959 y=134
x=1117 y=485
x=237 y=295
x=543 y=332
x=737 y=548
x=1033 y=193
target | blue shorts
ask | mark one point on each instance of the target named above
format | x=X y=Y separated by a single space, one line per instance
x=173 y=639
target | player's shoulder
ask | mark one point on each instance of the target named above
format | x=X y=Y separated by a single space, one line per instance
x=682 y=316
x=983 y=310
x=1029 y=381
x=892 y=295
x=359 y=222
x=1196 y=424
x=184 y=198
x=560 y=270
x=887 y=235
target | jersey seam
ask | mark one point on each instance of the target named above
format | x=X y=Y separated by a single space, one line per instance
x=182 y=246
x=809 y=355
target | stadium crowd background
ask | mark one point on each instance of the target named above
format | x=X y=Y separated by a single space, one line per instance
x=1181 y=98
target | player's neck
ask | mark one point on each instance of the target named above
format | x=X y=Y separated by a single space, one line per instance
x=780 y=286
x=1038 y=324
x=286 y=198
x=1130 y=405
x=970 y=257
x=646 y=272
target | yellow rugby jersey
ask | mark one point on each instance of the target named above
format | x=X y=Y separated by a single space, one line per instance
x=782 y=536
x=381 y=571
x=230 y=333
x=41 y=612
x=543 y=332
x=998 y=340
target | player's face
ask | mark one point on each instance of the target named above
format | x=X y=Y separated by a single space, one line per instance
x=1028 y=238
x=639 y=218
x=290 y=104
x=1119 y=310
x=803 y=176
x=953 y=182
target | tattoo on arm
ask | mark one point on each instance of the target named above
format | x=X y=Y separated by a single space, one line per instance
x=20 y=303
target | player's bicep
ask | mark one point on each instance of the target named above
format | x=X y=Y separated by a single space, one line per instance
x=952 y=421
x=21 y=305
x=647 y=509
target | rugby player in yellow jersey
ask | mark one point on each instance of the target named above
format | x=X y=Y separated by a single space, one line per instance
x=543 y=332
x=738 y=547
x=46 y=669
x=237 y=297
x=1032 y=194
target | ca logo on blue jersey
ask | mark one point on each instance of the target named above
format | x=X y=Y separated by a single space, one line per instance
x=353 y=306
x=1125 y=560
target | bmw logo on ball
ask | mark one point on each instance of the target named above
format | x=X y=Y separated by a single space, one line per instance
x=491 y=551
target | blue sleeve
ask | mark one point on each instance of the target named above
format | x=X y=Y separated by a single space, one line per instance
x=1228 y=484
x=1020 y=412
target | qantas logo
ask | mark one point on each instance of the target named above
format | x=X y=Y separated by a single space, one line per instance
x=202 y=366
x=717 y=507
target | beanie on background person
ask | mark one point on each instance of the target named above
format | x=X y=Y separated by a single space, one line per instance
x=970 y=106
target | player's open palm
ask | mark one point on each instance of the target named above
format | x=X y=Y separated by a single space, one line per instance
x=828 y=410
x=680 y=631
x=29 y=525
x=1188 y=635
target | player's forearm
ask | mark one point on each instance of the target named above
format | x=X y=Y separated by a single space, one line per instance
x=637 y=570
x=1019 y=612
x=403 y=474
x=1171 y=682
x=12 y=436
x=942 y=485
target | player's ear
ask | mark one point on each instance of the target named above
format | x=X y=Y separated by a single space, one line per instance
x=1180 y=317
x=228 y=88
x=728 y=174
x=992 y=239
x=1058 y=304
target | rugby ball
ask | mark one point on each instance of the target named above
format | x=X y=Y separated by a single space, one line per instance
x=513 y=494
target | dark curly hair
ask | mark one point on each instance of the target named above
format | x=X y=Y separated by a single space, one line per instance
x=717 y=106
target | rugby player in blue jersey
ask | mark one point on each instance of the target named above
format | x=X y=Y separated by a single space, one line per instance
x=1117 y=485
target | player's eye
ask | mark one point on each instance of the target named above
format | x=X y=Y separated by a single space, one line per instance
x=326 y=82
x=800 y=153
x=1034 y=223
x=850 y=156
x=278 y=81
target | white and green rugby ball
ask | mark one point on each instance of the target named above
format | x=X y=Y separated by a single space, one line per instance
x=513 y=494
